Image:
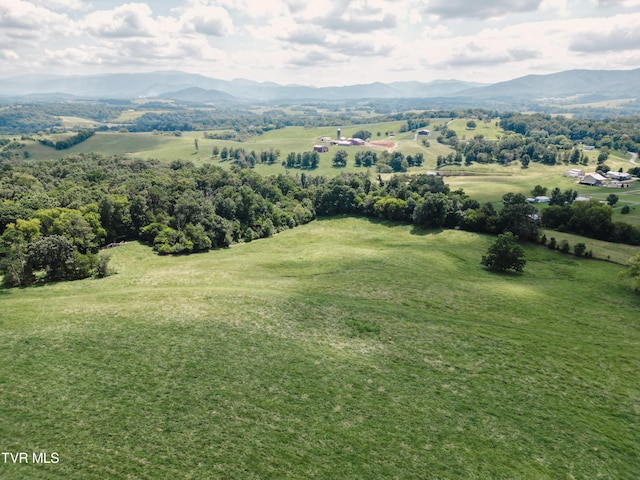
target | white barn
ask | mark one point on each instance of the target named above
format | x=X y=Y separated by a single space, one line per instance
x=593 y=179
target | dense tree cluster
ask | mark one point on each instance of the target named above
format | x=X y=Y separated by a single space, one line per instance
x=246 y=159
x=590 y=219
x=26 y=119
x=365 y=158
x=544 y=139
x=54 y=244
x=96 y=111
x=415 y=124
x=302 y=160
x=619 y=133
x=398 y=162
x=362 y=134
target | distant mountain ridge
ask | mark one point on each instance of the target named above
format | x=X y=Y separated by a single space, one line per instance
x=605 y=84
x=595 y=84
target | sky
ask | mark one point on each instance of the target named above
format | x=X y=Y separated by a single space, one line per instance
x=320 y=42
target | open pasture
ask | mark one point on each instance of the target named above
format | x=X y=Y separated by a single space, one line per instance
x=346 y=348
x=489 y=130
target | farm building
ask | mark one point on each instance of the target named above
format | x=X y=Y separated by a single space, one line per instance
x=593 y=179
x=320 y=148
x=618 y=175
x=325 y=139
x=424 y=132
x=539 y=199
x=343 y=143
x=356 y=141
x=588 y=147
x=575 y=173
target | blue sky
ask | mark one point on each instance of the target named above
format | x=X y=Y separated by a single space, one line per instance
x=320 y=42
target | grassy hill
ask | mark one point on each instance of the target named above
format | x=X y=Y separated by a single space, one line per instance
x=346 y=348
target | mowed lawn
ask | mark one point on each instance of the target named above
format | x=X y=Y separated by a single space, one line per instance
x=346 y=348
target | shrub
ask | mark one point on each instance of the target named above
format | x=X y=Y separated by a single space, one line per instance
x=102 y=266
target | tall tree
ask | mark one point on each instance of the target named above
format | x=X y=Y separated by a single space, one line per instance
x=518 y=217
x=505 y=254
x=340 y=158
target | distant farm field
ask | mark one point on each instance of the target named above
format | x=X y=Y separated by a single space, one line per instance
x=487 y=183
x=345 y=348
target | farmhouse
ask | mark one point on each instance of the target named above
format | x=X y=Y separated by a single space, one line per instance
x=320 y=148
x=593 y=179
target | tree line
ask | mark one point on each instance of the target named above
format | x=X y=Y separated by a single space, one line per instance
x=69 y=141
x=55 y=215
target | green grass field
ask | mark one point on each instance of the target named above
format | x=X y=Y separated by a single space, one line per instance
x=346 y=348
x=601 y=250
x=489 y=130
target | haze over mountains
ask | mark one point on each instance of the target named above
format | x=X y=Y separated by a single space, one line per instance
x=591 y=85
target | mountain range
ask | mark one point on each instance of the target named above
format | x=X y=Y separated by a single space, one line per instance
x=588 y=85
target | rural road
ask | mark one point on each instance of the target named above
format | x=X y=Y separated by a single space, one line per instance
x=634 y=158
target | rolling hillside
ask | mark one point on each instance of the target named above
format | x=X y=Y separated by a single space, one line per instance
x=346 y=348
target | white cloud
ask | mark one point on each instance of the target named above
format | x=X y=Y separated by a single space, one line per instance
x=535 y=47
x=27 y=16
x=350 y=22
x=559 y=6
x=60 y=4
x=6 y=54
x=128 y=20
x=76 y=56
x=353 y=40
x=208 y=20
x=307 y=36
x=464 y=9
x=619 y=33
x=618 y=3
x=315 y=58
x=141 y=52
